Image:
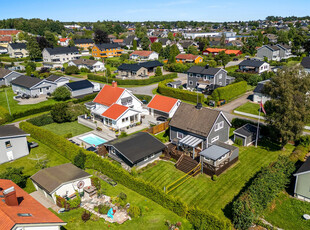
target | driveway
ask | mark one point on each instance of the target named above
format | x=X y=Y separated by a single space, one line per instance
x=38 y=196
x=233 y=63
x=229 y=107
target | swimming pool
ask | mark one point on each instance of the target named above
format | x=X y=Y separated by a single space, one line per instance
x=93 y=139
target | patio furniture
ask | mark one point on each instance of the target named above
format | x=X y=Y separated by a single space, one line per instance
x=89 y=191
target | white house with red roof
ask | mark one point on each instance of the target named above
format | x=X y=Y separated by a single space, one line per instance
x=144 y=55
x=163 y=106
x=19 y=210
x=116 y=107
x=64 y=41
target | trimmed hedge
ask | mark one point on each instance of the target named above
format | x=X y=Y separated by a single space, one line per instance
x=269 y=182
x=179 y=93
x=147 y=81
x=228 y=92
x=8 y=59
x=200 y=219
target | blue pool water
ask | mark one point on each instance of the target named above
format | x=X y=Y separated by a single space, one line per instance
x=93 y=139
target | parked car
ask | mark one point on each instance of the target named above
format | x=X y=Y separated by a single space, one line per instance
x=235 y=59
x=161 y=118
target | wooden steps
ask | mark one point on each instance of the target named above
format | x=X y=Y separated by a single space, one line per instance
x=186 y=164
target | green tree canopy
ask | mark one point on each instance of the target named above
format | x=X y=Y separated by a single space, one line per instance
x=33 y=49
x=61 y=94
x=145 y=42
x=156 y=46
x=289 y=108
x=16 y=175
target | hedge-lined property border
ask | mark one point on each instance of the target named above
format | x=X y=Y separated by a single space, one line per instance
x=199 y=218
x=147 y=81
x=179 y=93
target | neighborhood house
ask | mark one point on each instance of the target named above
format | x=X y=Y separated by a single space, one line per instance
x=57 y=56
x=139 y=70
x=254 y=66
x=6 y=76
x=91 y=65
x=163 y=106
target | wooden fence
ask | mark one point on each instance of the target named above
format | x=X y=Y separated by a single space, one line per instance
x=158 y=128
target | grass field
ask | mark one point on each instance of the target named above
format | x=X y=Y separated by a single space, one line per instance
x=15 y=107
x=249 y=107
x=286 y=212
x=201 y=191
x=68 y=127
x=153 y=215
x=30 y=165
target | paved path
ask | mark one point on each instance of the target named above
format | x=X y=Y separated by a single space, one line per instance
x=37 y=195
x=229 y=107
x=233 y=63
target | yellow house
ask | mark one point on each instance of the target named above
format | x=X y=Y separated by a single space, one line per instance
x=188 y=58
x=84 y=43
x=105 y=50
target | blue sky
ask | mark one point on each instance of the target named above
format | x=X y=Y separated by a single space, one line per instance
x=143 y=10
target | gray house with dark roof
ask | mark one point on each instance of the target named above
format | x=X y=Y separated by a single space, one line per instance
x=139 y=70
x=58 y=80
x=305 y=63
x=246 y=133
x=80 y=88
x=302 y=183
x=200 y=77
x=198 y=127
x=32 y=86
x=6 y=76
x=259 y=94
x=272 y=52
x=13 y=143
x=57 y=56
x=135 y=150
x=62 y=180
x=254 y=66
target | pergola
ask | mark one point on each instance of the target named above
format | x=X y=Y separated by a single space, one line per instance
x=191 y=142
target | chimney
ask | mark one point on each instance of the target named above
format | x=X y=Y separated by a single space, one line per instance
x=114 y=84
x=10 y=196
x=207 y=66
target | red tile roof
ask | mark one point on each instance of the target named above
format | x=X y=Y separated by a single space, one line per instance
x=63 y=39
x=9 y=32
x=108 y=95
x=214 y=50
x=162 y=103
x=114 y=111
x=142 y=53
x=5 y=38
x=153 y=39
x=233 y=52
x=39 y=214
x=118 y=40
x=187 y=56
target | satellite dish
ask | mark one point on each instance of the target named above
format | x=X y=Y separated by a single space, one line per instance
x=80 y=184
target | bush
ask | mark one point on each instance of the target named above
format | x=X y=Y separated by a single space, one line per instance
x=299 y=153
x=238 y=142
x=16 y=175
x=72 y=70
x=228 y=92
x=79 y=160
x=68 y=135
x=179 y=93
x=122 y=196
x=42 y=120
x=266 y=186
x=158 y=71
x=134 y=211
x=85 y=216
x=75 y=202
x=147 y=81
x=4 y=115
x=103 y=209
x=177 y=67
x=67 y=112
x=61 y=94
x=95 y=181
x=123 y=134
x=214 y=177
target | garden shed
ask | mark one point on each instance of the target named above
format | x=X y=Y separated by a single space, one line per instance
x=246 y=133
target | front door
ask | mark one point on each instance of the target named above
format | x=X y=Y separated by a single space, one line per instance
x=41 y=90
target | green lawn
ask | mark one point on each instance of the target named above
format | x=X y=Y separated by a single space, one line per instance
x=38 y=64
x=153 y=215
x=163 y=136
x=30 y=165
x=286 y=213
x=15 y=107
x=249 y=107
x=68 y=127
x=201 y=191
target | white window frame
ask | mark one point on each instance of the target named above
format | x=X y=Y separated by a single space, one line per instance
x=219 y=126
x=215 y=139
x=180 y=134
x=220 y=76
x=146 y=158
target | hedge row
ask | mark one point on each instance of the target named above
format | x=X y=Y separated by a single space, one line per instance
x=200 y=219
x=179 y=93
x=269 y=182
x=8 y=59
x=147 y=81
x=44 y=119
x=229 y=92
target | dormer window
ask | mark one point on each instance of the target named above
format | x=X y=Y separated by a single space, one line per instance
x=24 y=214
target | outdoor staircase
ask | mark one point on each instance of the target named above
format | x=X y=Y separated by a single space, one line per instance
x=186 y=164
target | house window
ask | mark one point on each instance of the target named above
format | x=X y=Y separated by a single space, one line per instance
x=220 y=83
x=152 y=156
x=198 y=75
x=190 y=83
x=215 y=139
x=145 y=159
x=219 y=125
x=8 y=144
x=180 y=135
x=220 y=76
